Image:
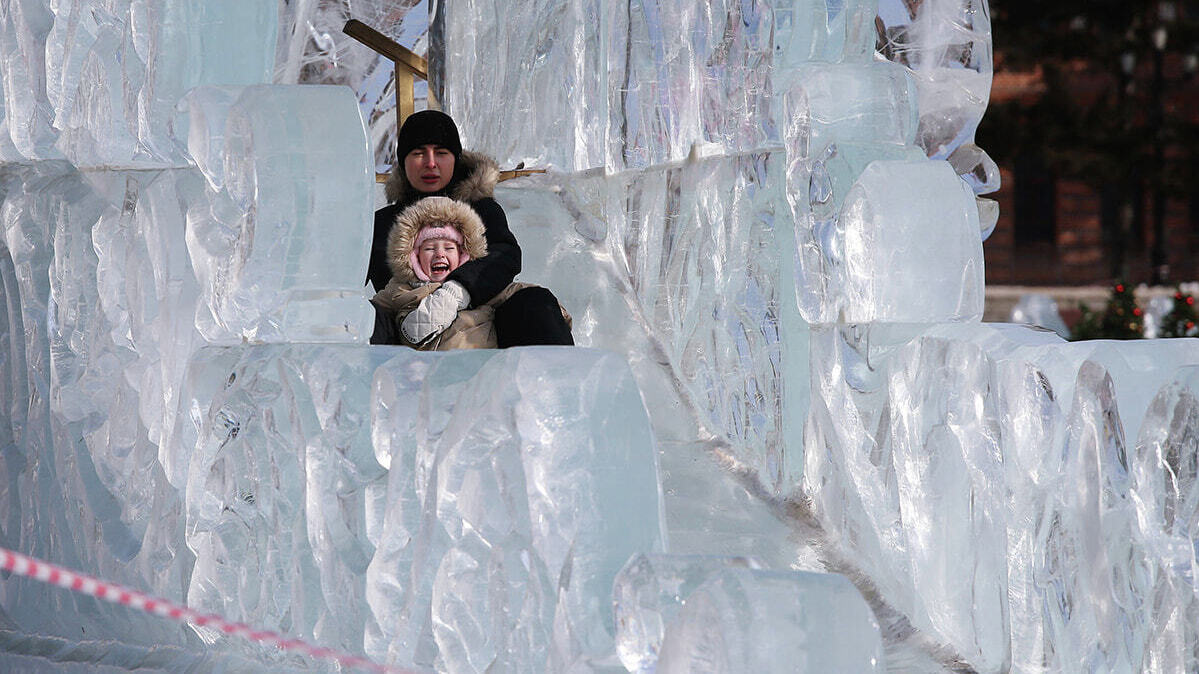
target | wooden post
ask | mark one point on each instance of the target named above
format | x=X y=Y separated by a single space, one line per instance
x=405 y=94
x=408 y=66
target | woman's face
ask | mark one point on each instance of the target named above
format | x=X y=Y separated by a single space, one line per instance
x=437 y=258
x=429 y=168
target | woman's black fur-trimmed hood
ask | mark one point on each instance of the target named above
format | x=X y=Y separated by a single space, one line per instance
x=436 y=211
x=480 y=176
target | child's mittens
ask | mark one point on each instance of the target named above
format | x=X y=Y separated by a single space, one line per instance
x=435 y=312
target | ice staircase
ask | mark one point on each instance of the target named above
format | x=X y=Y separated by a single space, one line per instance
x=781 y=368
x=202 y=391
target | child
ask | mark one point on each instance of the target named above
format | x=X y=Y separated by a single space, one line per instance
x=430 y=239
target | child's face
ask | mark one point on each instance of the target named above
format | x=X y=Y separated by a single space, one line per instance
x=437 y=258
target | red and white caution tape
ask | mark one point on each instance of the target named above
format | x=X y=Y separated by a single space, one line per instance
x=117 y=594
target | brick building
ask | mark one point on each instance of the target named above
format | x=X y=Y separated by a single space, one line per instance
x=1058 y=230
x=1064 y=243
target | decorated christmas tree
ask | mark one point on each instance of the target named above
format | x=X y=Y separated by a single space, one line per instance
x=1122 y=319
x=1182 y=319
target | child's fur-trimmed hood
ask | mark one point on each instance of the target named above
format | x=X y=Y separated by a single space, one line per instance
x=432 y=211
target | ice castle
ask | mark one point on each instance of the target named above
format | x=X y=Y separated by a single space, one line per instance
x=786 y=441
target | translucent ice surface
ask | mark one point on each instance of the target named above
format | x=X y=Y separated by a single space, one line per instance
x=514 y=497
x=431 y=497
x=1040 y=310
x=947 y=46
x=862 y=102
x=262 y=245
x=631 y=89
x=822 y=256
x=25 y=27
x=772 y=621
x=115 y=75
x=1020 y=439
x=649 y=242
x=775 y=293
x=907 y=230
x=650 y=591
x=825 y=31
x=1163 y=474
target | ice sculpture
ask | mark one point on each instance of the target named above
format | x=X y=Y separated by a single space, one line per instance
x=280 y=242
x=312 y=49
x=513 y=499
x=115 y=75
x=1040 y=310
x=1163 y=482
x=490 y=489
x=947 y=46
x=773 y=621
x=648 y=594
x=25 y=26
x=1042 y=458
x=863 y=102
x=742 y=207
x=906 y=228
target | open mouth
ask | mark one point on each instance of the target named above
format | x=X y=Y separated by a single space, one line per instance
x=439 y=267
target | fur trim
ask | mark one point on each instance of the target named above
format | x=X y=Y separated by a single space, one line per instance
x=441 y=211
x=482 y=174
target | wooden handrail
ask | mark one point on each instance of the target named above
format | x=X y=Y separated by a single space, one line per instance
x=381 y=44
x=518 y=173
x=504 y=175
x=408 y=66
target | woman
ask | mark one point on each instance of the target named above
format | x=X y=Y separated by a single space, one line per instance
x=433 y=164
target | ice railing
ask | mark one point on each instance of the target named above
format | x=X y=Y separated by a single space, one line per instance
x=748 y=216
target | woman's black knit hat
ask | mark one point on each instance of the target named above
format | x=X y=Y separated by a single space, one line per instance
x=428 y=127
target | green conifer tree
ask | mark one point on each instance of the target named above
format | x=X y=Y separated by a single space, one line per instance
x=1182 y=321
x=1122 y=319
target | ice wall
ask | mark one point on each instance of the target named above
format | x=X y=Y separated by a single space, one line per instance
x=756 y=176
x=120 y=258
x=766 y=220
x=452 y=512
x=870 y=244
x=1049 y=461
x=192 y=409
